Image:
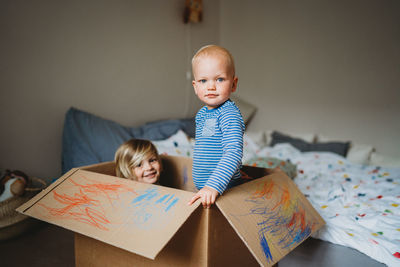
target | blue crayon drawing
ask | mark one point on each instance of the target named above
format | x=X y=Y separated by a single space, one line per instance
x=161 y=199
x=265 y=247
x=172 y=204
x=150 y=206
x=148 y=195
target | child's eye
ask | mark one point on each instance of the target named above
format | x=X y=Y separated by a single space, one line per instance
x=220 y=79
x=139 y=165
x=153 y=160
x=203 y=81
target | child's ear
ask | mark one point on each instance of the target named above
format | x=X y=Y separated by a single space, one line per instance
x=194 y=86
x=234 y=84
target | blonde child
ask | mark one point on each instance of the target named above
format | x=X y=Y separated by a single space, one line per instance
x=218 y=150
x=138 y=160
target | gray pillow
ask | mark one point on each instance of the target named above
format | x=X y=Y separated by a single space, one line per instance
x=340 y=148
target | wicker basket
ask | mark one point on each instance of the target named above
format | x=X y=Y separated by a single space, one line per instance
x=13 y=223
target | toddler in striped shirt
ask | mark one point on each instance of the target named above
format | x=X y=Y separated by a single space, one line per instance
x=218 y=149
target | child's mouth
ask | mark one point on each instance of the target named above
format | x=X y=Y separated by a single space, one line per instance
x=151 y=175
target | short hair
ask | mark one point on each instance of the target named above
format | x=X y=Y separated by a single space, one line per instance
x=210 y=50
x=130 y=154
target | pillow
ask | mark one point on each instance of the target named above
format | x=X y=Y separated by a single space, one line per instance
x=339 y=148
x=308 y=137
x=162 y=129
x=384 y=161
x=89 y=139
x=258 y=137
x=271 y=163
x=298 y=143
x=357 y=153
x=246 y=109
x=176 y=145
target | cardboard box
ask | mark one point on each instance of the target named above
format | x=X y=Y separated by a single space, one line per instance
x=119 y=222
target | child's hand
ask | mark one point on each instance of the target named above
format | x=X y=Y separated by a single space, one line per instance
x=207 y=195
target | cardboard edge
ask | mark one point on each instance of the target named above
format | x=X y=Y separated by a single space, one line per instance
x=27 y=205
x=95 y=165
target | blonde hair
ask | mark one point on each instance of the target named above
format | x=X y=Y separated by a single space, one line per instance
x=130 y=154
x=213 y=50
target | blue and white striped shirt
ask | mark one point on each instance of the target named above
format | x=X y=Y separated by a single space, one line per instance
x=218 y=149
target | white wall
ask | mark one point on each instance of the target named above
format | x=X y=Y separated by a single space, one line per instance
x=327 y=67
x=122 y=60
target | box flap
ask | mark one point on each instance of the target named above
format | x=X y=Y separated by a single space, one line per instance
x=137 y=217
x=270 y=215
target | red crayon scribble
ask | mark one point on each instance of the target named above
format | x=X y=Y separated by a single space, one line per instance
x=266 y=191
x=104 y=189
x=298 y=219
x=72 y=201
x=79 y=207
x=285 y=199
x=85 y=206
x=269 y=189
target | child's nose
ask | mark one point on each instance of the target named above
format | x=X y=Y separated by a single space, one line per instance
x=211 y=85
x=147 y=166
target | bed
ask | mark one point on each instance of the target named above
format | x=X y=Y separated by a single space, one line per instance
x=360 y=202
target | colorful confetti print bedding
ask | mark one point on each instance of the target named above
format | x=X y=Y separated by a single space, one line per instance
x=360 y=203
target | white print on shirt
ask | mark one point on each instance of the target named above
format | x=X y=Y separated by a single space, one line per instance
x=209 y=127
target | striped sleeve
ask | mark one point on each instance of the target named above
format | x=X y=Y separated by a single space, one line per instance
x=228 y=166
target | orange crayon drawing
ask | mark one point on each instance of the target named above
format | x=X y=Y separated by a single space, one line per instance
x=106 y=190
x=285 y=200
x=84 y=206
x=79 y=207
x=266 y=191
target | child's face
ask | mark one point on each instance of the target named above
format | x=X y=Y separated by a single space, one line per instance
x=148 y=170
x=214 y=80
